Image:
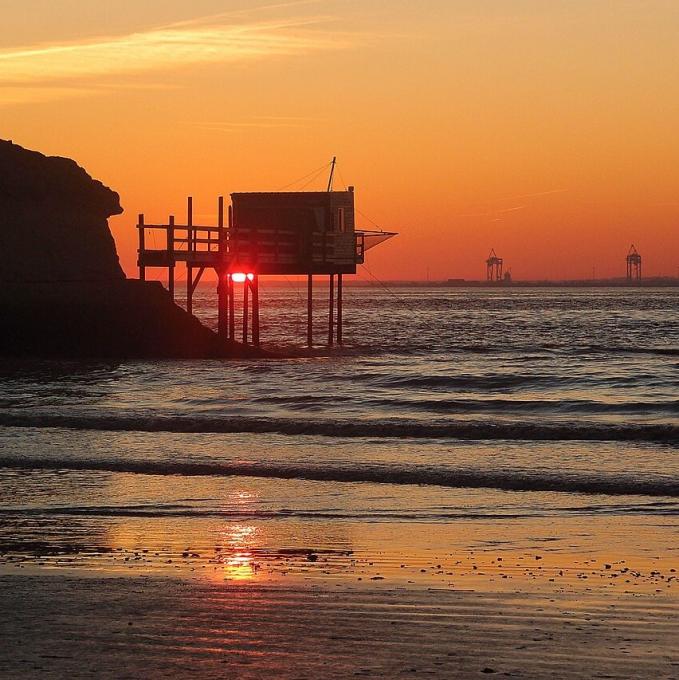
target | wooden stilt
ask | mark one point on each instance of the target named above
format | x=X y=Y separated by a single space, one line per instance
x=170 y=256
x=232 y=309
x=222 y=305
x=189 y=289
x=310 y=310
x=142 y=247
x=246 y=304
x=339 y=309
x=331 y=312
x=191 y=286
x=254 y=284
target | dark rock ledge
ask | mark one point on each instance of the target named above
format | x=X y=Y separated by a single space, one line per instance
x=62 y=290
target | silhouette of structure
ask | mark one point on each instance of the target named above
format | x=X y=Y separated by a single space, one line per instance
x=633 y=264
x=281 y=233
x=493 y=267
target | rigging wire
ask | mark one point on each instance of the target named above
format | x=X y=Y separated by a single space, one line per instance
x=339 y=174
x=362 y=214
x=294 y=288
x=383 y=285
x=399 y=298
x=315 y=172
x=313 y=179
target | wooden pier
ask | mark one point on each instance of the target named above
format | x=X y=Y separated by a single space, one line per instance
x=259 y=234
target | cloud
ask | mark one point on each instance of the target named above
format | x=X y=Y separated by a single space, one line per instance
x=261 y=122
x=17 y=94
x=495 y=213
x=62 y=68
x=534 y=195
x=492 y=213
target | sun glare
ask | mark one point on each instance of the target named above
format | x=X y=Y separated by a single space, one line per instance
x=240 y=277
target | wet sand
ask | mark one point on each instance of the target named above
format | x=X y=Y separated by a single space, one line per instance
x=121 y=575
x=60 y=625
x=108 y=595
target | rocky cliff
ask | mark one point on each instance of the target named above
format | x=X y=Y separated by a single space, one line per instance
x=62 y=290
x=53 y=220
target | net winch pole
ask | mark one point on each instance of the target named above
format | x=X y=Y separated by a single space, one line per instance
x=332 y=172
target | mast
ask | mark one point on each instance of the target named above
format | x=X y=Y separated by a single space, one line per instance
x=332 y=172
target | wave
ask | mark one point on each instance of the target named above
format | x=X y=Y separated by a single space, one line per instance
x=156 y=511
x=456 y=405
x=631 y=349
x=463 y=381
x=507 y=480
x=468 y=430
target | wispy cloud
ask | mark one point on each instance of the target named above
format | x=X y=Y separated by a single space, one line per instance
x=495 y=214
x=492 y=213
x=63 y=68
x=261 y=122
x=534 y=195
x=223 y=17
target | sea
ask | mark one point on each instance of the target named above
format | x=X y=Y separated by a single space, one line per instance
x=452 y=421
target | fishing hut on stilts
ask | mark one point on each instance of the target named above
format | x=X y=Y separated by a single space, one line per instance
x=309 y=233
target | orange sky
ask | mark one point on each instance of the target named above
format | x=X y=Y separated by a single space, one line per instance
x=547 y=130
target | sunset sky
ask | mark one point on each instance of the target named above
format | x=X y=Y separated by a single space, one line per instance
x=545 y=129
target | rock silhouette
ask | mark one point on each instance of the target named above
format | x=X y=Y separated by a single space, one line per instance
x=53 y=220
x=62 y=290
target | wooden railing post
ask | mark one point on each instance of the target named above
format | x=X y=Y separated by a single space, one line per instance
x=142 y=246
x=189 y=248
x=222 y=277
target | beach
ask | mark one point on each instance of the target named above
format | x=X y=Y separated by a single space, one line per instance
x=150 y=627
x=419 y=502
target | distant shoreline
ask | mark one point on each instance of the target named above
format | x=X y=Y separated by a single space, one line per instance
x=656 y=282
x=659 y=282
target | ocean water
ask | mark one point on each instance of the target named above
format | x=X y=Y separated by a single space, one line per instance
x=473 y=418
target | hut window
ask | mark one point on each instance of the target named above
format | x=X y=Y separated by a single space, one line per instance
x=340 y=224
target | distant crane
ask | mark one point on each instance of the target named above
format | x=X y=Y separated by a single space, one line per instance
x=493 y=267
x=633 y=264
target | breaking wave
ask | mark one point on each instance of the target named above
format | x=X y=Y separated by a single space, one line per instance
x=507 y=480
x=452 y=429
x=486 y=405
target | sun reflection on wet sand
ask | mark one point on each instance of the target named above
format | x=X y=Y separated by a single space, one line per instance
x=238 y=558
